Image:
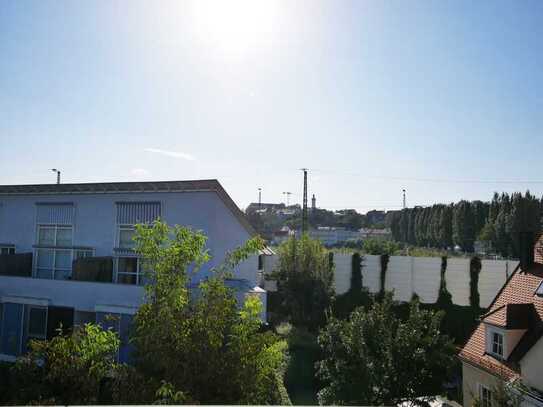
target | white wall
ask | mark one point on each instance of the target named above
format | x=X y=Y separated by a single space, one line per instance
x=81 y=295
x=419 y=275
x=426 y=285
x=531 y=366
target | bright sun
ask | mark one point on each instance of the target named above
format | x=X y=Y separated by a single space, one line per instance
x=234 y=25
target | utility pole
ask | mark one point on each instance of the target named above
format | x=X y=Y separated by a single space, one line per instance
x=259 y=198
x=288 y=194
x=58 y=174
x=304 y=207
x=404 y=205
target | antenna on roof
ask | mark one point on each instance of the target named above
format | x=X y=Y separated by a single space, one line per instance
x=58 y=174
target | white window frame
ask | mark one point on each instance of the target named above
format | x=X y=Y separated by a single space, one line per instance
x=484 y=402
x=123 y=227
x=10 y=249
x=25 y=336
x=139 y=272
x=490 y=332
x=54 y=248
x=89 y=253
x=56 y=229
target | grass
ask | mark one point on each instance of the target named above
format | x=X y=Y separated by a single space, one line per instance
x=304 y=351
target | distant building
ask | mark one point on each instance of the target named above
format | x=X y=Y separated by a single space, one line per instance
x=313 y=203
x=330 y=236
x=371 y=233
x=282 y=235
x=265 y=207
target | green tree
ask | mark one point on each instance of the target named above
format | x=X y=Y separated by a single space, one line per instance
x=374 y=358
x=305 y=282
x=199 y=346
x=464 y=226
x=68 y=369
x=380 y=247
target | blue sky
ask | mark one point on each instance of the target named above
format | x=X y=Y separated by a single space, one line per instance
x=443 y=98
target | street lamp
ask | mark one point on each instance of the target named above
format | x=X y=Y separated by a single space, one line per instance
x=58 y=174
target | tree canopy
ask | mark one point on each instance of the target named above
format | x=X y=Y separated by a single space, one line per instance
x=375 y=358
x=305 y=282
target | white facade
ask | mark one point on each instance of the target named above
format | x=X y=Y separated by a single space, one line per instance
x=56 y=225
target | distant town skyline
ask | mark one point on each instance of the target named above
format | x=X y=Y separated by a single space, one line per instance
x=440 y=98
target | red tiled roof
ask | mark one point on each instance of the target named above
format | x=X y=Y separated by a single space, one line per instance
x=520 y=288
x=497 y=317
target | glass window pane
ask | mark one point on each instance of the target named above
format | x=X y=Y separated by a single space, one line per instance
x=45 y=258
x=37 y=318
x=64 y=236
x=12 y=329
x=46 y=235
x=63 y=259
x=11 y=250
x=125 y=238
x=128 y=265
x=127 y=278
x=3 y=250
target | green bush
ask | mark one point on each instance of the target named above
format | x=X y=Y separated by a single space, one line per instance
x=305 y=282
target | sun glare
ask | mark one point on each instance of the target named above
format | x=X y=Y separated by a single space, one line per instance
x=234 y=25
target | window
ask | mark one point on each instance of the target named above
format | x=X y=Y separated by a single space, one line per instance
x=497 y=343
x=486 y=396
x=36 y=323
x=54 y=255
x=127 y=270
x=54 y=235
x=7 y=250
x=126 y=235
x=131 y=270
x=82 y=253
x=54 y=264
x=20 y=324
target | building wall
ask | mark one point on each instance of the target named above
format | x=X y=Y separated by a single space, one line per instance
x=472 y=377
x=95 y=222
x=531 y=366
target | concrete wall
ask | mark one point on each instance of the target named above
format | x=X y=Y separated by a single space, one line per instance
x=420 y=275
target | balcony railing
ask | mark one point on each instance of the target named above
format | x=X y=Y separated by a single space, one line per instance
x=94 y=269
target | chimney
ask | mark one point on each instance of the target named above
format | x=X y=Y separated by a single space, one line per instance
x=526 y=249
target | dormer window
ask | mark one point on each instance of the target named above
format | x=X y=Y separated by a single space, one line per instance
x=497 y=344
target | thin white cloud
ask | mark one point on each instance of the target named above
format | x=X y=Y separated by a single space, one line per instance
x=175 y=154
x=139 y=172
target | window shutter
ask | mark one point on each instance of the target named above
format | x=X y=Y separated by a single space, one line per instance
x=131 y=213
x=55 y=214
